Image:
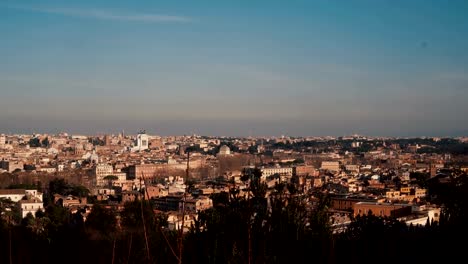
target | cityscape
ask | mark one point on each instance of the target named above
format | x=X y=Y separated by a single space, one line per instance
x=317 y=131
x=54 y=183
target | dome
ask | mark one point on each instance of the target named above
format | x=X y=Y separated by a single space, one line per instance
x=224 y=150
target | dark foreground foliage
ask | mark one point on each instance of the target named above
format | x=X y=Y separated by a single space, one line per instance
x=282 y=229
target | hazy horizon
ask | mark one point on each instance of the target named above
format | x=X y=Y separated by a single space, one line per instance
x=164 y=132
x=269 y=68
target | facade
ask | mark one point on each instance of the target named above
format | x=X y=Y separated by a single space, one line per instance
x=69 y=201
x=382 y=209
x=30 y=206
x=15 y=195
x=174 y=220
x=352 y=168
x=142 y=141
x=421 y=217
x=148 y=171
x=286 y=171
x=47 y=169
x=30 y=201
x=2 y=141
x=347 y=203
x=167 y=203
x=144 y=170
x=195 y=205
x=304 y=170
x=330 y=165
x=11 y=166
x=100 y=171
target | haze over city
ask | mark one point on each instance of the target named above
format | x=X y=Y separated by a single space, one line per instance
x=390 y=68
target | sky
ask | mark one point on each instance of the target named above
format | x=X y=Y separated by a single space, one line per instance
x=235 y=68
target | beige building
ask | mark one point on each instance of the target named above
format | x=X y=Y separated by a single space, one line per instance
x=100 y=171
x=305 y=170
x=352 y=168
x=11 y=166
x=330 y=165
x=282 y=171
x=31 y=206
x=32 y=199
x=2 y=141
x=195 y=205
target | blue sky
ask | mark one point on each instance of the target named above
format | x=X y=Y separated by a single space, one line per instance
x=375 y=67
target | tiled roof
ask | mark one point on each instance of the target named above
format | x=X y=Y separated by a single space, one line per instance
x=12 y=191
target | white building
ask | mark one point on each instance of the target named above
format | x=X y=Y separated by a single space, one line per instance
x=15 y=195
x=31 y=206
x=282 y=171
x=141 y=142
x=47 y=169
x=31 y=203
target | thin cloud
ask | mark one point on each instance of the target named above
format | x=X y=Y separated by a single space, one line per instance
x=109 y=15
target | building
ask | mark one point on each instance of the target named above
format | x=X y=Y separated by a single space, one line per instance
x=100 y=171
x=15 y=195
x=422 y=215
x=167 y=203
x=382 y=209
x=145 y=170
x=141 y=142
x=149 y=171
x=352 y=168
x=174 y=221
x=131 y=196
x=413 y=191
x=195 y=205
x=11 y=166
x=2 y=141
x=282 y=171
x=70 y=200
x=30 y=201
x=47 y=169
x=107 y=140
x=305 y=170
x=347 y=203
x=30 y=206
x=330 y=166
x=224 y=150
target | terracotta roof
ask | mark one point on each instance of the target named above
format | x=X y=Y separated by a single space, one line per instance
x=33 y=200
x=12 y=191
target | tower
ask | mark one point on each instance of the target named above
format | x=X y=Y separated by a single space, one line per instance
x=107 y=140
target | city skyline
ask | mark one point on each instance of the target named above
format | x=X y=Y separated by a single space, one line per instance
x=302 y=68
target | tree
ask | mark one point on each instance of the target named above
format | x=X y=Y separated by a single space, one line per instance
x=102 y=222
x=34 y=142
x=58 y=186
x=45 y=142
x=80 y=191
